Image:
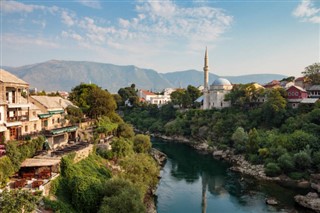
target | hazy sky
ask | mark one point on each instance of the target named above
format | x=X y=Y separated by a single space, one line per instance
x=243 y=37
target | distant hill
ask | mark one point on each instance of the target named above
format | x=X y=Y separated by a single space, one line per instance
x=56 y=75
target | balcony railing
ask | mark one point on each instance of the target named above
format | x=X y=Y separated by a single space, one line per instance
x=17 y=118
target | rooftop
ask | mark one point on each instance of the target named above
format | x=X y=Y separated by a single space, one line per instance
x=7 y=77
x=221 y=82
x=54 y=102
x=34 y=162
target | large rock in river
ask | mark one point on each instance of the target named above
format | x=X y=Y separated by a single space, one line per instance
x=311 y=201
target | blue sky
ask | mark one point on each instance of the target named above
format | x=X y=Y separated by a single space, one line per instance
x=243 y=37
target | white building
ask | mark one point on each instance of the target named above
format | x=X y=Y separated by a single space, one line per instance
x=213 y=96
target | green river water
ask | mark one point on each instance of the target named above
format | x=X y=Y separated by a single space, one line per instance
x=192 y=182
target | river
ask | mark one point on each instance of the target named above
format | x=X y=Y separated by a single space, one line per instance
x=192 y=182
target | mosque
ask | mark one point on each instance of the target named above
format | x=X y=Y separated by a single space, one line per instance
x=213 y=96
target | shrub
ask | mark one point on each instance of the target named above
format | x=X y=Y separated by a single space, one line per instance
x=141 y=143
x=286 y=162
x=298 y=175
x=272 y=170
x=302 y=160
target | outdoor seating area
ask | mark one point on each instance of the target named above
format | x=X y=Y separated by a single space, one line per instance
x=68 y=149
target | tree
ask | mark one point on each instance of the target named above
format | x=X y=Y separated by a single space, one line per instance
x=125 y=130
x=129 y=93
x=16 y=201
x=104 y=125
x=252 y=145
x=141 y=143
x=194 y=93
x=75 y=114
x=240 y=138
x=93 y=100
x=142 y=170
x=86 y=193
x=121 y=147
x=178 y=96
x=312 y=72
x=274 y=108
x=121 y=196
x=302 y=160
x=101 y=103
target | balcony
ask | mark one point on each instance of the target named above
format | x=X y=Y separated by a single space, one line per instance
x=17 y=118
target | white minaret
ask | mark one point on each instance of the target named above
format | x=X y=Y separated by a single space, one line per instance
x=206 y=81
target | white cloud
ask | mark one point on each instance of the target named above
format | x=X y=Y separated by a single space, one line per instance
x=67 y=18
x=91 y=3
x=13 y=7
x=29 y=41
x=307 y=12
x=72 y=35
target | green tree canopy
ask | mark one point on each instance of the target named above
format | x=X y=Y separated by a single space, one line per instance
x=313 y=73
x=93 y=100
x=141 y=143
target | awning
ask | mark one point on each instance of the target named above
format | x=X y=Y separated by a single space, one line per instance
x=35 y=162
x=44 y=115
x=3 y=128
x=63 y=130
x=56 y=111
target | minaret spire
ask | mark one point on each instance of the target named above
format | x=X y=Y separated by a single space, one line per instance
x=206 y=81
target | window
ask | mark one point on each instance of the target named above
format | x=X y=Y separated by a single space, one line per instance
x=297 y=94
x=26 y=128
x=58 y=120
x=34 y=126
x=34 y=113
x=0 y=116
x=52 y=120
x=45 y=123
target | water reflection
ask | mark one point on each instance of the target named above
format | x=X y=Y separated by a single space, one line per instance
x=192 y=182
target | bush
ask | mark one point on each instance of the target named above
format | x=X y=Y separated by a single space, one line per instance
x=302 y=160
x=272 y=170
x=141 y=143
x=298 y=175
x=121 y=197
x=286 y=162
x=6 y=169
x=103 y=152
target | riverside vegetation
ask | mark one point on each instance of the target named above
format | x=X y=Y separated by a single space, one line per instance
x=285 y=140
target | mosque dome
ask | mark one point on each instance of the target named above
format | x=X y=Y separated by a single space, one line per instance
x=221 y=82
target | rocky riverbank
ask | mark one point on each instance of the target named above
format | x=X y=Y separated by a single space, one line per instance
x=161 y=159
x=239 y=164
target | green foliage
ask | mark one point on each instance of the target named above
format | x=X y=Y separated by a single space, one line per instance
x=16 y=201
x=286 y=162
x=58 y=206
x=252 y=145
x=298 y=175
x=121 y=147
x=128 y=93
x=104 y=125
x=6 y=169
x=272 y=170
x=185 y=97
x=93 y=100
x=121 y=197
x=87 y=192
x=302 y=160
x=75 y=114
x=103 y=152
x=141 y=170
x=312 y=72
x=18 y=152
x=240 y=138
x=141 y=143
x=125 y=130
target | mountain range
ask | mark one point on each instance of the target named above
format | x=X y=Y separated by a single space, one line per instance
x=60 y=75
